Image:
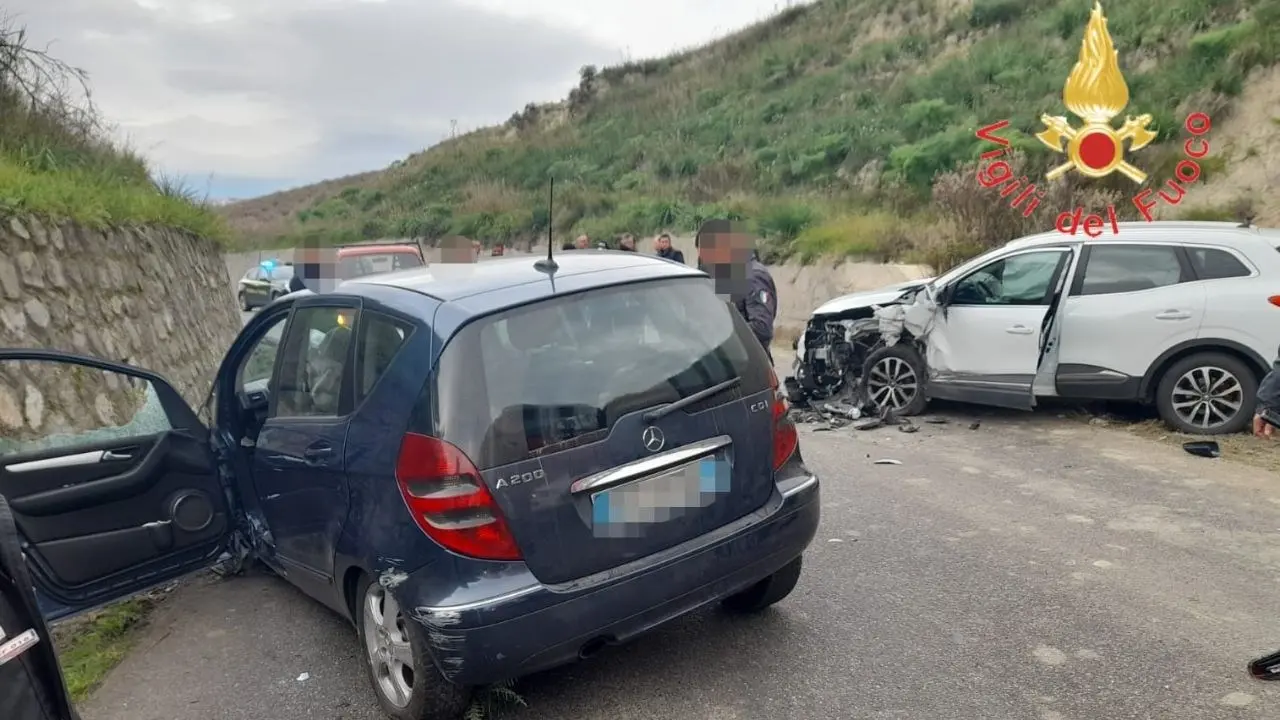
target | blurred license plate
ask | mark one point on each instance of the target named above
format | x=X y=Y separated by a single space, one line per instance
x=663 y=496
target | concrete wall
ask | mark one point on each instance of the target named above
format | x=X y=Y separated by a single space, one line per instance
x=156 y=299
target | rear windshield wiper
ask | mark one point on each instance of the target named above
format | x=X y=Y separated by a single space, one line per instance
x=655 y=415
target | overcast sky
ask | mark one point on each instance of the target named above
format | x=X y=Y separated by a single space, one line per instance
x=246 y=97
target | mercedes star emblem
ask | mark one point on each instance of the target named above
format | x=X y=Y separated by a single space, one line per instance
x=653 y=439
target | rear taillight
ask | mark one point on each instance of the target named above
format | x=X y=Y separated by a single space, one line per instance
x=449 y=501
x=1274 y=300
x=785 y=437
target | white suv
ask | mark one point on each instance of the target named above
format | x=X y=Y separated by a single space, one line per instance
x=1185 y=315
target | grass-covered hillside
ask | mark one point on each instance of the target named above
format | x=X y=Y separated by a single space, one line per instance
x=831 y=126
x=57 y=159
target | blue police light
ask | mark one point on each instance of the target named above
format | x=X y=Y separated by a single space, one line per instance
x=267 y=264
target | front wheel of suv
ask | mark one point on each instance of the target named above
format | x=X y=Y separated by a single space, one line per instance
x=1207 y=393
x=766 y=592
x=405 y=678
x=894 y=377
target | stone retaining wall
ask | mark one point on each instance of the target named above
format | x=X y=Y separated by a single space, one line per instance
x=153 y=298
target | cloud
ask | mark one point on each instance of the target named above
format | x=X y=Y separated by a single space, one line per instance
x=294 y=91
x=297 y=89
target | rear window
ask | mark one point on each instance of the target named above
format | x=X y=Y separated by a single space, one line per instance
x=354 y=266
x=1214 y=264
x=559 y=373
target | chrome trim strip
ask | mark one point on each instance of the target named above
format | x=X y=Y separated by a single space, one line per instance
x=478 y=604
x=85 y=458
x=805 y=485
x=646 y=466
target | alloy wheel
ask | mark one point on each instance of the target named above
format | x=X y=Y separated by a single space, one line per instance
x=387 y=646
x=892 y=383
x=1207 y=397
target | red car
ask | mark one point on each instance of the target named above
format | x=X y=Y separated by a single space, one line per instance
x=359 y=260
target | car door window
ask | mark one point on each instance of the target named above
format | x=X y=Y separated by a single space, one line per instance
x=1215 y=264
x=314 y=378
x=81 y=406
x=256 y=369
x=1130 y=268
x=381 y=338
x=1024 y=279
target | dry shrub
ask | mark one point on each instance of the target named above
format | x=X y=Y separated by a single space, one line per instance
x=489 y=196
x=978 y=219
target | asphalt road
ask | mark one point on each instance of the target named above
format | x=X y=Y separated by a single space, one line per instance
x=1032 y=568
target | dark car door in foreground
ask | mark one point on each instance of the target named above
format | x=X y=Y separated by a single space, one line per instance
x=298 y=465
x=110 y=478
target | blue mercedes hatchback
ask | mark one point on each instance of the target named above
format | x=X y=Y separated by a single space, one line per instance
x=490 y=471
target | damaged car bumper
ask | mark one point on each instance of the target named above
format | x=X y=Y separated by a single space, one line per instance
x=510 y=625
x=841 y=335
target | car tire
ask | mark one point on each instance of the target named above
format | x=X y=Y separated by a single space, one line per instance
x=1230 y=379
x=419 y=692
x=766 y=592
x=244 y=301
x=899 y=372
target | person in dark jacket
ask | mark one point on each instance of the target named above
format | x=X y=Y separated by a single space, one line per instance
x=727 y=253
x=1268 y=400
x=295 y=280
x=662 y=246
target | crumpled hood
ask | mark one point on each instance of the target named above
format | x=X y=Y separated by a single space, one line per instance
x=867 y=298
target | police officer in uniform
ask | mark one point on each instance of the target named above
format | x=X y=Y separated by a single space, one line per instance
x=727 y=253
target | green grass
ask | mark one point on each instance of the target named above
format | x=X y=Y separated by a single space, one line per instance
x=89 y=648
x=807 y=110
x=94 y=201
x=57 y=159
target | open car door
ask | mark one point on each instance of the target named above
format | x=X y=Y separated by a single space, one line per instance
x=991 y=332
x=110 y=477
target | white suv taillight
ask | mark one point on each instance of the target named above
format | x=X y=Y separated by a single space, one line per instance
x=449 y=501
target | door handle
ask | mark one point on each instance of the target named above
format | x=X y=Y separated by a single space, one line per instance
x=1018 y=330
x=117 y=455
x=1174 y=315
x=316 y=453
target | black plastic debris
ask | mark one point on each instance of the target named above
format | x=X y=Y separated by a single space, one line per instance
x=905 y=426
x=975 y=425
x=887 y=461
x=936 y=420
x=870 y=423
x=1266 y=668
x=1203 y=448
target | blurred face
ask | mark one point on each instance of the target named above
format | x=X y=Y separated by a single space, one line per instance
x=628 y=242
x=583 y=242
x=662 y=243
x=731 y=248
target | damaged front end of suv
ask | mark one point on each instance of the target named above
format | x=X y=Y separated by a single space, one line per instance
x=861 y=350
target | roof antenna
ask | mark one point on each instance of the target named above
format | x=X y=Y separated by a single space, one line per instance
x=548 y=264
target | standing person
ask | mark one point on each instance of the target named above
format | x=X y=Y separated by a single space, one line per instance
x=727 y=253
x=627 y=243
x=662 y=246
x=583 y=242
x=1268 y=401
